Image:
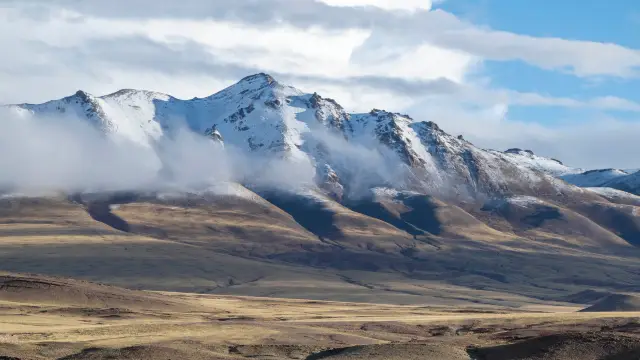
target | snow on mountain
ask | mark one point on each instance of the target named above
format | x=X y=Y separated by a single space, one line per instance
x=629 y=183
x=594 y=178
x=524 y=201
x=253 y=113
x=379 y=148
x=616 y=195
x=607 y=178
x=532 y=161
x=443 y=162
x=127 y=113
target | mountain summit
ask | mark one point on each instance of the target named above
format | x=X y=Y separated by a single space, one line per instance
x=384 y=194
x=259 y=115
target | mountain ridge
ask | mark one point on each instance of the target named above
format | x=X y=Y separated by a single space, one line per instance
x=260 y=115
x=388 y=201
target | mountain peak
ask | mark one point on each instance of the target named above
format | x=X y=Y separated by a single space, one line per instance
x=261 y=78
x=124 y=94
x=518 y=151
x=83 y=95
x=379 y=112
x=258 y=114
x=254 y=87
x=433 y=126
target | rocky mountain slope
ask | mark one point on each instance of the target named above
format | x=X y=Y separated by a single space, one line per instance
x=549 y=166
x=607 y=178
x=386 y=205
x=629 y=183
x=344 y=153
x=594 y=178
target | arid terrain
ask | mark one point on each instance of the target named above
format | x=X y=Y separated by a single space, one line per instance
x=227 y=280
x=54 y=318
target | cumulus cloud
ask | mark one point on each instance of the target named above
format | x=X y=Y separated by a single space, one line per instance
x=439 y=28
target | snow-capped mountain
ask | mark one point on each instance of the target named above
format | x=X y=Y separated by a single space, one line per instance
x=127 y=113
x=594 y=178
x=547 y=165
x=616 y=196
x=629 y=183
x=259 y=115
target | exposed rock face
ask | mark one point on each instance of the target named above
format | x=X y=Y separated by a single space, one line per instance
x=329 y=181
x=215 y=135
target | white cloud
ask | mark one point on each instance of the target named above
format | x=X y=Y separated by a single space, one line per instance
x=582 y=58
x=436 y=27
x=535 y=99
x=363 y=57
x=102 y=55
x=411 y=5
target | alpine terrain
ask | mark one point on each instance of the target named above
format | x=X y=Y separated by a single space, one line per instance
x=381 y=203
x=293 y=197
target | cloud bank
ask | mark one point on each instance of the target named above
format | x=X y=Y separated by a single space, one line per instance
x=63 y=154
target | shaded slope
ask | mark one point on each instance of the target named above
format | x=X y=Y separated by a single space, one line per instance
x=395 y=352
x=425 y=215
x=629 y=183
x=246 y=245
x=146 y=352
x=616 y=302
x=587 y=297
x=542 y=220
x=54 y=211
x=232 y=224
x=66 y=292
x=622 y=220
x=565 y=347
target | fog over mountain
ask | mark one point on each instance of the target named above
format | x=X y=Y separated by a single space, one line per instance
x=258 y=132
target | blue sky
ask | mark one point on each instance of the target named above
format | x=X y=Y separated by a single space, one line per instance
x=561 y=78
x=615 y=21
x=602 y=21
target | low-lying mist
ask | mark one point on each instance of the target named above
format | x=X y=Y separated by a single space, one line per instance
x=63 y=154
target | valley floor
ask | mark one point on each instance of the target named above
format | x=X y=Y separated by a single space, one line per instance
x=245 y=280
x=193 y=326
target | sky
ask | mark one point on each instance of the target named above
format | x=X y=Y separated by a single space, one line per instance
x=560 y=78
